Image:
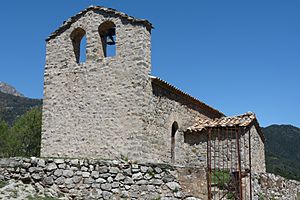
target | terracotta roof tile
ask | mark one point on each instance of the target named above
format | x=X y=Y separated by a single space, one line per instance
x=240 y=120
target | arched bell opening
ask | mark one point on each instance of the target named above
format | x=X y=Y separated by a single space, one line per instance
x=78 y=37
x=107 y=32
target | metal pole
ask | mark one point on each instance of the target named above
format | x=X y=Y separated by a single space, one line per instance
x=250 y=164
x=208 y=165
x=243 y=134
x=239 y=163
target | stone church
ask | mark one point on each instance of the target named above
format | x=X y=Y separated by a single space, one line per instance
x=109 y=106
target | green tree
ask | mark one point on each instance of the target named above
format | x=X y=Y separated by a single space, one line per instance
x=4 y=133
x=25 y=137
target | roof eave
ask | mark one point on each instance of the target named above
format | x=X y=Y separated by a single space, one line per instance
x=167 y=85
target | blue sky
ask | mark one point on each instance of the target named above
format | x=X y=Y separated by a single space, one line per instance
x=236 y=56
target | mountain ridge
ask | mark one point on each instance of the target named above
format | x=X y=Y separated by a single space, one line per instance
x=8 y=89
x=282 y=150
x=12 y=106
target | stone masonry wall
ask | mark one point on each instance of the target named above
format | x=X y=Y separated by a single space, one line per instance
x=104 y=179
x=116 y=179
x=95 y=109
x=108 y=107
x=268 y=186
x=257 y=152
x=165 y=108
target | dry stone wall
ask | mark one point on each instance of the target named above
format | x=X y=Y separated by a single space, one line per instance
x=115 y=179
x=268 y=186
x=100 y=179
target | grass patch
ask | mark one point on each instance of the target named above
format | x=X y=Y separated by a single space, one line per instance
x=175 y=190
x=261 y=196
x=125 y=158
x=230 y=195
x=151 y=173
x=3 y=183
x=220 y=178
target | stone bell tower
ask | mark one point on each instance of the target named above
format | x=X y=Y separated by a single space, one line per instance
x=93 y=106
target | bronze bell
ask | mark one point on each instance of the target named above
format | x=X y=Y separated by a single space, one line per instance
x=110 y=40
x=109 y=37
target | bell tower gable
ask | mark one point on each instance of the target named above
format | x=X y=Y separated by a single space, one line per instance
x=92 y=91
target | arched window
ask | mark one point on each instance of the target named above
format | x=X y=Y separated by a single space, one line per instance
x=173 y=133
x=107 y=32
x=79 y=44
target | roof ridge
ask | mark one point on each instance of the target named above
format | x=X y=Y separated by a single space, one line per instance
x=249 y=113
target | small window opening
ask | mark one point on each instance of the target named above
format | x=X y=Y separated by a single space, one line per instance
x=173 y=133
x=78 y=38
x=107 y=33
x=82 y=56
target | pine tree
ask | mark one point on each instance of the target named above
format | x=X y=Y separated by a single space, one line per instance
x=25 y=137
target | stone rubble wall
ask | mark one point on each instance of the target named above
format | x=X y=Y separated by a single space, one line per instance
x=165 y=108
x=95 y=109
x=100 y=179
x=115 y=179
x=258 y=160
x=269 y=186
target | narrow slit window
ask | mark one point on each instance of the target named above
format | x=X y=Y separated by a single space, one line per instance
x=107 y=32
x=173 y=133
x=78 y=37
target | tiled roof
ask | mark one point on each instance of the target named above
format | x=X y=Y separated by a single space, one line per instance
x=245 y=120
x=240 y=120
x=67 y=24
x=216 y=113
